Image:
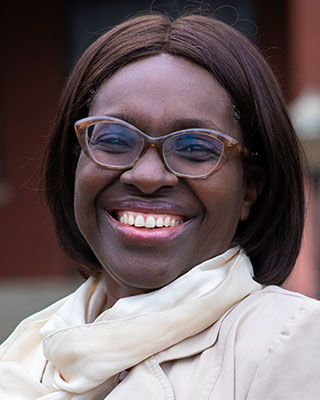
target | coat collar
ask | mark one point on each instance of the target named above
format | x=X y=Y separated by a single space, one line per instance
x=147 y=379
x=192 y=345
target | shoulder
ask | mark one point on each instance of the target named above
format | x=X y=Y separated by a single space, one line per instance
x=277 y=341
x=269 y=311
x=26 y=335
x=269 y=315
x=265 y=347
x=274 y=305
x=65 y=312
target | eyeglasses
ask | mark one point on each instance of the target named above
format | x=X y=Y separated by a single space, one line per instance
x=189 y=153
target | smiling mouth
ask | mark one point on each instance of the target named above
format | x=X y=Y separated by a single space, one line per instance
x=148 y=221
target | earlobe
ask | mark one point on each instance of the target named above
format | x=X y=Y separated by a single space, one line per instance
x=255 y=182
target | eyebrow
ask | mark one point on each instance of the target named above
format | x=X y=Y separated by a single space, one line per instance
x=185 y=123
x=178 y=124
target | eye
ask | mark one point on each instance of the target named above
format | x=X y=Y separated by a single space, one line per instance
x=196 y=147
x=112 y=138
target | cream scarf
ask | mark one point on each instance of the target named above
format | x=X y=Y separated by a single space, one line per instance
x=85 y=354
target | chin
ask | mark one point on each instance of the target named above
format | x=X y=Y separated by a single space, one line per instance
x=145 y=275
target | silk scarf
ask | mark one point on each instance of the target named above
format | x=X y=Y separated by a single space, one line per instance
x=83 y=353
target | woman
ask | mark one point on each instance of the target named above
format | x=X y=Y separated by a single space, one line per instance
x=181 y=200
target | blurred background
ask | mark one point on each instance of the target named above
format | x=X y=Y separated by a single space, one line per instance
x=40 y=44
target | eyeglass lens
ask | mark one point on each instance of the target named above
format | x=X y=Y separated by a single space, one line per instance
x=192 y=153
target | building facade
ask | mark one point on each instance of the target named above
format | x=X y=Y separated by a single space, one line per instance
x=40 y=45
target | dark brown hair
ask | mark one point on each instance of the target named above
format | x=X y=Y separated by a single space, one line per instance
x=272 y=234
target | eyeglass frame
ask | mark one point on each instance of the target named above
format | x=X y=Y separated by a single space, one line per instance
x=230 y=145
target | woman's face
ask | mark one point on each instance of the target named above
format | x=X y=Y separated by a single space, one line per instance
x=159 y=95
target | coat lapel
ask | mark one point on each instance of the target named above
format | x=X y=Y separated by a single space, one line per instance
x=148 y=381
x=144 y=382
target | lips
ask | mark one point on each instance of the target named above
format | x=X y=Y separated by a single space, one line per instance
x=148 y=220
x=146 y=224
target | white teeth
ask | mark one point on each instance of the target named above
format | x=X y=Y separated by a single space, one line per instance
x=139 y=221
x=159 y=222
x=149 y=222
x=166 y=222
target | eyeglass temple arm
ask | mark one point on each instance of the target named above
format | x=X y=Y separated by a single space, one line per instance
x=251 y=155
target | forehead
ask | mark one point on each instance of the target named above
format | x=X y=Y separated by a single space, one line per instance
x=162 y=89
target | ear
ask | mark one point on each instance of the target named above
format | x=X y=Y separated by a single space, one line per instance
x=254 y=183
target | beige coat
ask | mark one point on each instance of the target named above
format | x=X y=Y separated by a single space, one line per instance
x=266 y=348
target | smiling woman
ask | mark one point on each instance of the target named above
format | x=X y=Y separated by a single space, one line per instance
x=149 y=92
x=163 y=196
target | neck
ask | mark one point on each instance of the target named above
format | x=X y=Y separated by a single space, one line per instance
x=117 y=291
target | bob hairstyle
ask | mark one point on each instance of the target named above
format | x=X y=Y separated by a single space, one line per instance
x=272 y=234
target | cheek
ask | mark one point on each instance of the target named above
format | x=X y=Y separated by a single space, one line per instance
x=83 y=195
x=83 y=186
x=222 y=196
x=90 y=181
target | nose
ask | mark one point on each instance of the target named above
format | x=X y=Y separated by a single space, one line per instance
x=149 y=174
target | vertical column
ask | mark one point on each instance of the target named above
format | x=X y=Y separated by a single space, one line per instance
x=304 y=92
x=32 y=73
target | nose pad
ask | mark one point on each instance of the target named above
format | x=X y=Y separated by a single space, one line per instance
x=149 y=174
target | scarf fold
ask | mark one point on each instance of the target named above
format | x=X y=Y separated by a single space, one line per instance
x=86 y=352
